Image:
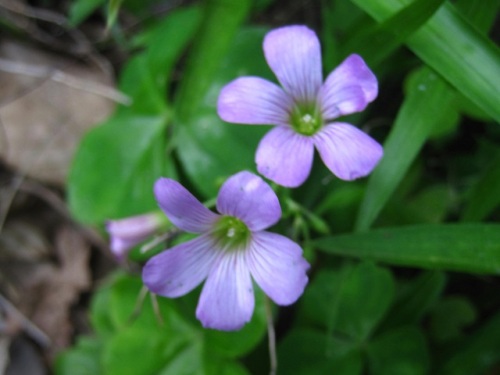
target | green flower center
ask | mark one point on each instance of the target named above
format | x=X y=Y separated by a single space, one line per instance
x=231 y=233
x=306 y=119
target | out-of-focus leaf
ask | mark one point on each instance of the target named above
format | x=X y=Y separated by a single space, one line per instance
x=429 y=105
x=221 y=20
x=454 y=49
x=209 y=148
x=99 y=312
x=306 y=352
x=334 y=298
x=450 y=317
x=431 y=204
x=113 y=8
x=146 y=76
x=402 y=351
x=341 y=205
x=415 y=299
x=478 y=353
x=82 y=359
x=139 y=351
x=81 y=9
x=193 y=360
x=481 y=14
x=471 y=248
x=186 y=361
x=376 y=43
x=484 y=196
x=115 y=168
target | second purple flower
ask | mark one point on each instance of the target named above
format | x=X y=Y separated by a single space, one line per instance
x=232 y=248
x=303 y=110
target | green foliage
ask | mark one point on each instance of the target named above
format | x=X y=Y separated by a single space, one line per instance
x=471 y=248
x=206 y=140
x=81 y=9
x=455 y=49
x=432 y=98
x=431 y=199
x=133 y=339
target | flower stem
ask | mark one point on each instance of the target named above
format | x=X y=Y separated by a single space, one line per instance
x=272 y=338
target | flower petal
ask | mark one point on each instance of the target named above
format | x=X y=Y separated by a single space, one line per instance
x=347 y=151
x=182 y=208
x=253 y=100
x=277 y=265
x=227 y=301
x=294 y=55
x=247 y=197
x=348 y=89
x=179 y=270
x=285 y=156
x=128 y=232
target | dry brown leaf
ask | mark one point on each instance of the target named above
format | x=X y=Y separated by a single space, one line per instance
x=43 y=120
x=62 y=288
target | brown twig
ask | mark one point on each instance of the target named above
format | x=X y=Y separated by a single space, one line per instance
x=56 y=75
x=27 y=326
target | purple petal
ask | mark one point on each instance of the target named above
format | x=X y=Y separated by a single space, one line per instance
x=347 y=151
x=227 y=301
x=179 y=270
x=253 y=100
x=128 y=232
x=182 y=208
x=285 y=156
x=294 y=55
x=247 y=197
x=348 y=89
x=120 y=247
x=277 y=265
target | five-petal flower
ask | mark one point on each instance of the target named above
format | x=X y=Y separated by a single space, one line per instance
x=303 y=110
x=232 y=249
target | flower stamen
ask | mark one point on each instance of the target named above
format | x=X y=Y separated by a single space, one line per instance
x=231 y=233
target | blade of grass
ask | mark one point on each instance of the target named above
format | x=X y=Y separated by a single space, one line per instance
x=473 y=248
x=429 y=104
x=376 y=43
x=454 y=48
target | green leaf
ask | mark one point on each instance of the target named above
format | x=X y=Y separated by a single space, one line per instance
x=187 y=361
x=429 y=105
x=450 y=317
x=376 y=43
x=306 y=352
x=113 y=8
x=221 y=20
x=454 y=49
x=146 y=76
x=334 y=298
x=82 y=359
x=484 y=196
x=139 y=351
x=478 y=353
x=210 y=149
x=471 y=248
x=414 y=299
x=402 y=351
x=81 y=9
x=99 y=312
x=114 y=169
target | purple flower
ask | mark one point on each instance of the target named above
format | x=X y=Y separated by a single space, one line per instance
x=303 y=110
x=232 y=249
x=129 y=232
